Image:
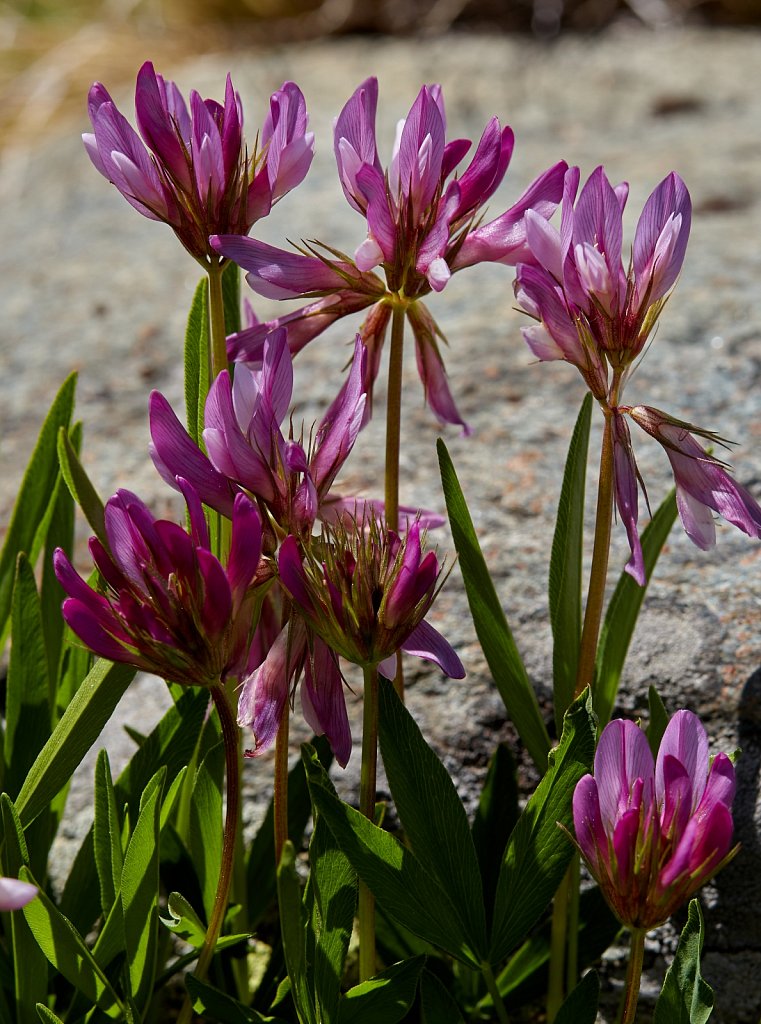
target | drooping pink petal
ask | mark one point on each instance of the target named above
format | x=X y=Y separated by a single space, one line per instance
x=277 y=273
x=264 y=693
x=627 y=494
x=426 y=642
x=323 y=701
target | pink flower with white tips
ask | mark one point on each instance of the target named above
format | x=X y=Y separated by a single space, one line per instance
x=652 y=833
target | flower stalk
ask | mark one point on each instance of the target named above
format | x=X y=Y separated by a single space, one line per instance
x=230 y=737
x=633 y=976
x=599 y=572
x=367 y=788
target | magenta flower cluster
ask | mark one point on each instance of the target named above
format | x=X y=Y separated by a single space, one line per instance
x=423 y=225
x=653 y=832
x=191 y=169
x=593 y=313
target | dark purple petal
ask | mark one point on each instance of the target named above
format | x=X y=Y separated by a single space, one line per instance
x=720 y=787
x=587 y=822
x=660 y=241
x=627 y=494
x=175 y=454
x=245 y=546
x=426 y=642
x=95 y=631
x=292 y=573
x=199 y=529
x=504 y=239
x=323 y=701
x=217 y=606
x=156 y=125
x=276 y=273
x=340 y=427
x=487 y=168
x=625 y=834
x=677 y=804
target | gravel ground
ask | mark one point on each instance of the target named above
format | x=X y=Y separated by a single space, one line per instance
x=85 y=283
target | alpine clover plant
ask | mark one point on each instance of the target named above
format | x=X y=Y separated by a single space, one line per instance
x=248 y=603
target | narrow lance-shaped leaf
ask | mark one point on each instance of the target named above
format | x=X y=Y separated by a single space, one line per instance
x=565 y=566
x=538 y=851
x=27 y=707
x=332 y=891
x=139 y=893
x=384 y=999
x=581 y=1005
x=82 y=722
x=67 y=952
x=30 y=967
x=81 y=488
x=391 y=871
x=495 y=818
x=434 y=820
x=686 y=997
x=206 y=824
x=34 y=496
x=623 y=610
x=197 y=360
x=60 y=534
x=500 y=650
x=437 y=1004
x=293 y=930
x=106 y=834
x=231 y=297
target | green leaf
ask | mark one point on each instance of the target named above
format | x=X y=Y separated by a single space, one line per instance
x=500 y=651
x=332 y=890
x=686 y=997
x=538 y=852
x=293 y=930
x=623 y=610
x=384 y=999
x=436 y=1002
x=139 y=893
x=391 y=871
x=524 y=977
x=205 y=845
x=565 y=566
x=197 y=360
x=107 y=844
x=29 y=964
x=66 y=951
x=47 y=1016
x=218 y=1006
x=60 y=534
x=260 y=865
x=27 y=724
x=171 y=744
x=81 y=488
x=659 y=719
x=581 y=1005
x=81 y=724
x=495 y=818
x=183 y=920
x=434 y=820
x=34 y=496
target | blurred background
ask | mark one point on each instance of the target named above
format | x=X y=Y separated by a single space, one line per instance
x=50 y=50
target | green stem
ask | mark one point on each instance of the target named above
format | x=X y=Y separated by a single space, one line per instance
x=599 y=571
x=496 y=998
x=633 y=977
x=218 y=363
x=231 y=739
x=572 y=946
x=217 y=334
x=367 y=786
x=394 y=416
x=558 y=934
x=280 y=795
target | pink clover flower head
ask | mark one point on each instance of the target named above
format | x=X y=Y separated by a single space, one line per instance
x=653 y=832
x=169 y=607
x=365 y=591
x=15 y=894
x=296 y=655
x=189 y=165
x=589 y=309
x=423 y=224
